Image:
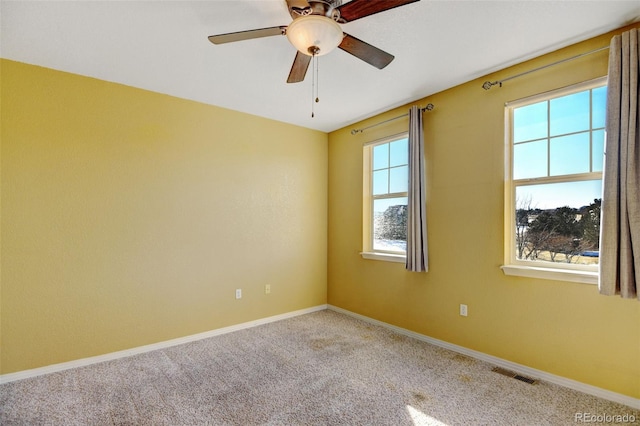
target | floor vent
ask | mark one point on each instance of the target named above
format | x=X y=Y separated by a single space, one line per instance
x=514 y=375
x=525 y=379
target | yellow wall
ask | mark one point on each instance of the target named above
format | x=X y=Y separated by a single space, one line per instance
x=130 y=217
x=564 y=328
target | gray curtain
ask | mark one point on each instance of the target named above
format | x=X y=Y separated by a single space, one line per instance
x=417 y=255
x=620 y=220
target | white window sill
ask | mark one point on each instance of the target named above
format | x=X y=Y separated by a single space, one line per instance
x=585 y=277
x=387 y=257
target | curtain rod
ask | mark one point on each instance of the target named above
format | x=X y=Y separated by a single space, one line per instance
x=487 y=84
x=429 y=107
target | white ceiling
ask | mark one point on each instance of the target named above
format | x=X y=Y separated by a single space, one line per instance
x=162 y=46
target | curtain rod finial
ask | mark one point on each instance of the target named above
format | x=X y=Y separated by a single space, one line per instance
x=487 y=85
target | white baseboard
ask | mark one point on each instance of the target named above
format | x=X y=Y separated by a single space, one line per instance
x=25 y=374
x=517 y=368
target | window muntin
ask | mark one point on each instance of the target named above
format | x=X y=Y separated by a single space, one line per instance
x=554 y=179
x=386 y=199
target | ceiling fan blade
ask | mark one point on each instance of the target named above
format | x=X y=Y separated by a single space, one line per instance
x=246 y=35
x=299 y=68
x=357 y=9
x=368 y=53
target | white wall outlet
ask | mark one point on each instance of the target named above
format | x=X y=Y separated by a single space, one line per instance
x=267 y=289
x=238 y=293
x=463 y=310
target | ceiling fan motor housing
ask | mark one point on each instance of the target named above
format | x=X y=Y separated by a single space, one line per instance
x=301 y=8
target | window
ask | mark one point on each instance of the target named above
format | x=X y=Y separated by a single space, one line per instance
x=553 y=188
x=386 y=180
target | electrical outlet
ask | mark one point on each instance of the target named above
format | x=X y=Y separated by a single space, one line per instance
x=463 y=310
x=267 y=289
x=238 y=293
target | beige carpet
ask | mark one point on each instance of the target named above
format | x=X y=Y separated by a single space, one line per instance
x=323 y=368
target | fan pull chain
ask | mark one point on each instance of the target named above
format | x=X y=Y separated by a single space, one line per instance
x=314 y=78
x=317 y=79
x=313 y=82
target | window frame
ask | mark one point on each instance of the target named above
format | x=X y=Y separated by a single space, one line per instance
x=587 y=274
x=368 y=198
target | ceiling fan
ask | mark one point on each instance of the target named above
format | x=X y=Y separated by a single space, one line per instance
x=315 y=31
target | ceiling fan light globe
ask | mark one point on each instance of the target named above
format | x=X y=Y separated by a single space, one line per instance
x=314 y=33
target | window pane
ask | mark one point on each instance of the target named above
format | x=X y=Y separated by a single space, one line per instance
x=381 y=182
x=380 y=156
x=390 y=224
x=552 y=195
x=399 y=179
x=569 y=114
x=559 y=222
x=598 y=150
x=569 y=154
x=399 y=153
x=599 y=106
x=530 y=122
x=530 y=160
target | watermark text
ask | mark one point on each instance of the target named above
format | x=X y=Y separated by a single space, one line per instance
x=604 y=418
